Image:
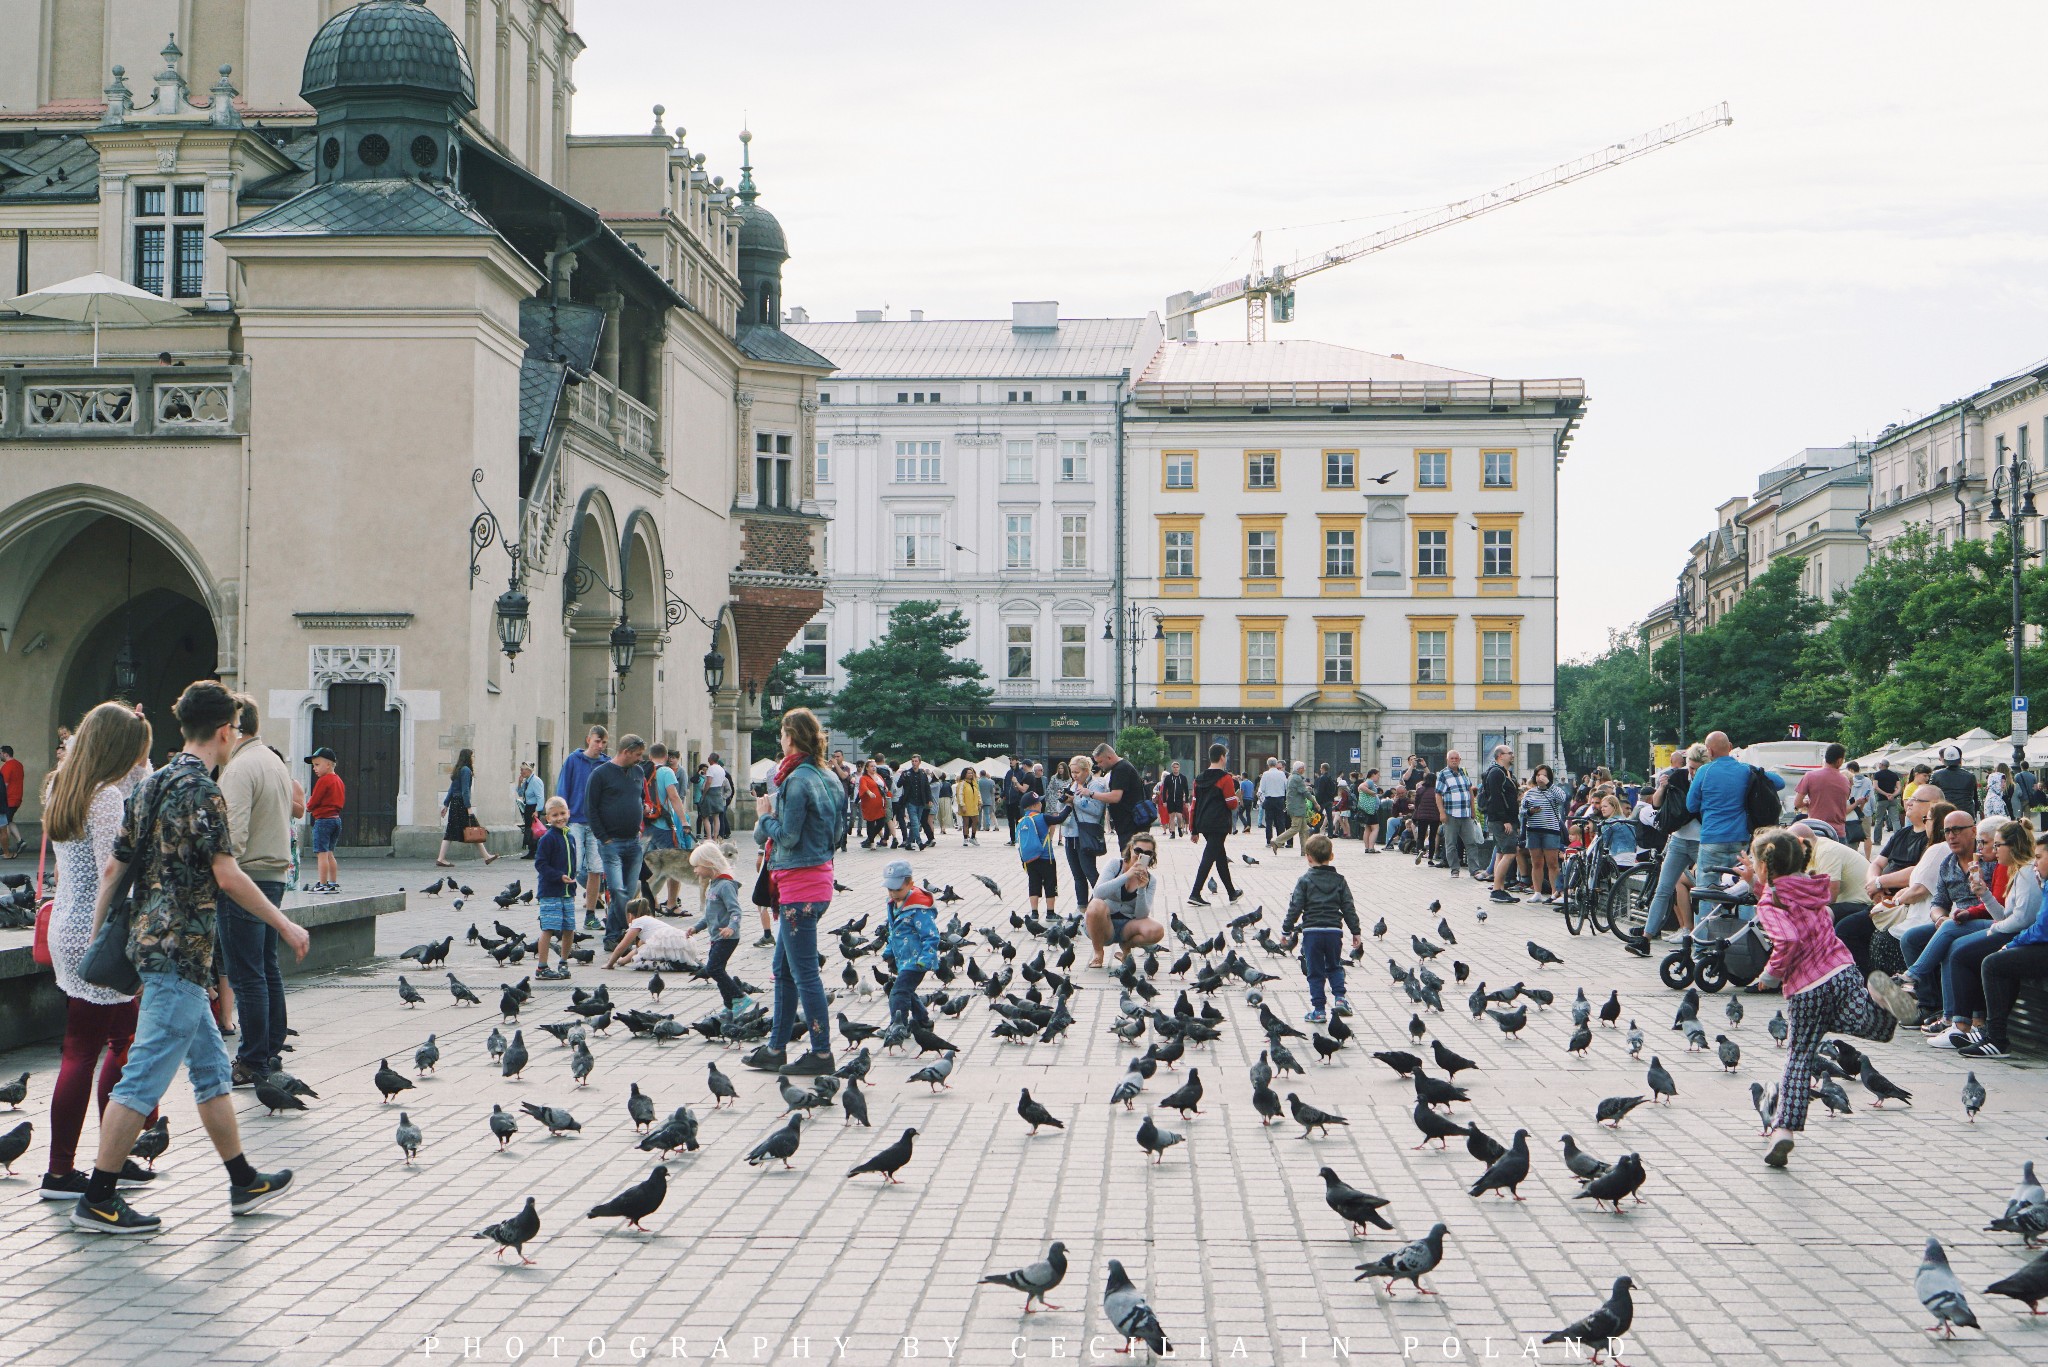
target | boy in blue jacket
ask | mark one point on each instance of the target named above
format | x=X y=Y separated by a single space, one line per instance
x=1034 y=847
x=913 y=942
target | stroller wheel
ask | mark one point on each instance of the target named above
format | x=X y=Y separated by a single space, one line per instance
x=1676 y=970
x=1711 y=974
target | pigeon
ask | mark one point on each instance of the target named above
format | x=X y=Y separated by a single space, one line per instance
x=1266 y=1102
x=929 y=1043
x=580 y=1063
x=1130 y=1314
x=1035 y=1279
x=460 y=991
x=1610 y=1010
x=1410 y=1261
x=513 y=1063
x=389 y=1081
x=427 y=1057
x=1424 y=949
x=854 y=1102
x=1188 y=1097
x=795 y=1098
x=1248 y=859
x=935 y=1073
x=1941 y=1293
x=1582 y=1010
x=655 y=986
x=639 y=1107
x=1358 y=1207
x=1688 y=1008
x=2027 y=1193
x=1510 y=1022
x=509 y=1002
x=988 y=883
x=1660 y=1080
x=1834 y=1097
x=1508 y=1171
x=889 y=1161
x=1734 y=1011
x=1403 y=1062
x=1482 y=1145
x=781 y=1144
x=2029 y=1284
x=1310 y=1119
x=503 y=1125
x=1779 y=1029
x=679 y=1131
x=1635 y=1040
x=1621 y=1180
x=1542 y=956
x=1416 y=1029
x=515 y=1233
x=409 y=994
x=556 y=1120
x=1973 y=1096
x=1460 y=969
x=2029 y=1222
x=277 y=1099
x=14 y=1144
x=856 y=1032
x=1613 y=1109
x=1128 y=1088
x=1580 y=1042
x=636 y=1202
x=1443 y=930
x=1583 y=1165
x=1036 y=1115
x=1761 y=1104
x=1379 y=929
x=408 y=1137
x=1600 y=1329
x=1884 y=1089
x=722 y=1089
x=1437 y=1093
x=1728 y=1051
x=1154 y=1140
x=1262 y=1070
x=1434 y=1126
x=1695 y=1036
x=151 y=1143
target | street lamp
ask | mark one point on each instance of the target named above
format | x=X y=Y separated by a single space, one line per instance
x=1681 y=612
x=2014 y=484
x=774 y=696
x=1132 y=621
x=511 y=607
x=714 y=670
x=624 y=640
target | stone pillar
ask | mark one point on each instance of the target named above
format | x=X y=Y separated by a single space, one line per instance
x=613 y=303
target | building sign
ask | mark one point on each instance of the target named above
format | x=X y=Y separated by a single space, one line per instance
x=1036 y=721
x=1212 y=719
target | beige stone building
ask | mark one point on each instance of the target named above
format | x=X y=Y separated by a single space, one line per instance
x=419 y=325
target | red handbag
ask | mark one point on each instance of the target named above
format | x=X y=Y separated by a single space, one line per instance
x=41 y=949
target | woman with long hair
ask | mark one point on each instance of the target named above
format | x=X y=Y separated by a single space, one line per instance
x=1542 y=814
x=455 y=805
x=82 y=814
x=797 y=824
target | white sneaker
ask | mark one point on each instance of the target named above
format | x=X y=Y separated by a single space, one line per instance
x=1954 y=1038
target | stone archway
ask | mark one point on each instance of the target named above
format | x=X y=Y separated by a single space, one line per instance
x=590 y=612
x=640 y=566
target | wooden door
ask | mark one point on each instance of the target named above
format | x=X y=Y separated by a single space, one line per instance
x=363 y=733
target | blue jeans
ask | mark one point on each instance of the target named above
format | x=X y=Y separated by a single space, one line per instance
x=1951 y=998
x=1322 y=960
x=1927 y=949
x=661 y=838
x=913 y=824
x=796 y=976
x=1715 y=858
x=175 y=1025
x=248 y=953
x=622 y=876
x=1679 y=854
x=903 y=1002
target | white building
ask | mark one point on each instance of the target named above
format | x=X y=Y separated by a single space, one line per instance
x=1352 y=556
x=970 y=462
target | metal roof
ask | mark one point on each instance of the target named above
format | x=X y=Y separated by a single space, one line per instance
x=58 y=169
x=368 y=208
x=1284 y=363
x=760 y=342
x=383 y=44
x=977 y=348
x=1238 y=374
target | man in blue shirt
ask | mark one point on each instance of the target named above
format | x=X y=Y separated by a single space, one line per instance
x=1716 y=798
x=570 y=782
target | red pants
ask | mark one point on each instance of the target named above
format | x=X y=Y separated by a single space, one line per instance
x=89 y=1031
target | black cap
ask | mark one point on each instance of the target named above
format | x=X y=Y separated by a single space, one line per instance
x=322 y=753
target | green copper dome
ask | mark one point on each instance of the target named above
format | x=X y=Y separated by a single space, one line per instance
x=395 y=45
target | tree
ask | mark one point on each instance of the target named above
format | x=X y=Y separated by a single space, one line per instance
x=789 y=679
x=1142 y=746
x=1744 y=673
x=1614 y=685
x=907 y=692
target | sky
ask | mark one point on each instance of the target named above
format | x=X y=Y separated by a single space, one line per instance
x=1863 y=244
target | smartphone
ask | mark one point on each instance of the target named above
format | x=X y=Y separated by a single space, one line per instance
x=760 y=790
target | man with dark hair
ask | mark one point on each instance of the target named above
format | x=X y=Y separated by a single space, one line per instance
x=571 y=782
x=1126 y=790
x=611 y=803
x=1216 y=802
x=916 y=786
x=1823 y=793
x=176 y=824
x=1500 y=803
x=257 y=788
x=1883 y=817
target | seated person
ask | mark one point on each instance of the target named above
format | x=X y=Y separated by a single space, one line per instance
x=1120 y=911
x=650 y=942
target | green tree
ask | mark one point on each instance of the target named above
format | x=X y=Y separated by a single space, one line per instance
x=1744 y=674
x=797 y=690
x=1142 y=746
x=908 y=692
x=1614 y=685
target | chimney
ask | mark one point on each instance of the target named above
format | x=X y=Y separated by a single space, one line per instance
x=867 y=315
x=1041 y=315
x=917 y=315
x=798 y=314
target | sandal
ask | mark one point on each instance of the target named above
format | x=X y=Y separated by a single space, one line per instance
x=443 y=864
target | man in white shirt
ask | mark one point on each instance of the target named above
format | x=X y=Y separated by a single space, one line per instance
x=1273 y=798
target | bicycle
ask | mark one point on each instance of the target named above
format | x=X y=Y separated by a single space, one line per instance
x=1629 y=897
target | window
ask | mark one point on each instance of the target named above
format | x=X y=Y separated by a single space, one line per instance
x=813 y=649
x=1020 y=396
x=1180 y=470
x=1337 y=657
x=1261 y=657
x=1262 y=470
x=1073 y=461
x=917 y=462
x=917 y=541
x=772 y=470
x=1017 y=462
x=824 y=396
x=1432 y=552
x=1180 y=555
x=1432 y=469
x=1020 y=651
x=1017 y=541
x=1431 y=657
x=1496 y=657
x=824 y=462
x=1497 y=551
x=903 y=396
x=170 y=240
x=1073 y=541
x=1261 y=554
x=1340 y=553
x=1499 y=469
x=1073 y=396
x=1074 y=651
x=1340 y=469
x=1179 y=651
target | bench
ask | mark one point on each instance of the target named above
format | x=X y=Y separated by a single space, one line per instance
x=2027 y=1026
x=32 y=1007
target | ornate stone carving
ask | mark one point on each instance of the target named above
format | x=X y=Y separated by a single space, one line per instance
x=194 y=405
x=352 y=664
x=977 y=438
x=354 y=621
x=81 y=405
x=855 y=438
x=743 y=481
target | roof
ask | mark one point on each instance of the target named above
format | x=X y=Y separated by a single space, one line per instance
x=540 y=393
x=61 y=168
x=760 y=342
x=296 y=145
x=368 y=208
x=388 y=44
x=984 y=348
x=1284 y=363
x=565 y=332
x=1317 y=374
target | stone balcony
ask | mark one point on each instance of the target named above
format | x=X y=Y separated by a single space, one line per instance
x=71 y=402
x=614 y=418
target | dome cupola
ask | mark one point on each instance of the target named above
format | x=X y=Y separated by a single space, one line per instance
x=390 y=83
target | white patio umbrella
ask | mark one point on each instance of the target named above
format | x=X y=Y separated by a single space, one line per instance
x=97 y=299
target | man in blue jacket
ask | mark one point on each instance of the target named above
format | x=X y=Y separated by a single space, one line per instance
x=1716 y=798
x=570 y=781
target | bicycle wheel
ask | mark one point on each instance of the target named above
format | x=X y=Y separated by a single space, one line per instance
x=1628 y=902
x=1575 y=899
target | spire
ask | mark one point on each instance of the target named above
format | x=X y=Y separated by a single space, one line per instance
x=747 y=191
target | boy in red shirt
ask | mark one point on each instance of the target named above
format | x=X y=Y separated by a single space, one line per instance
x=324 y=805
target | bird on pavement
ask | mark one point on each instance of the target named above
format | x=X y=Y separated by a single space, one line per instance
x=988 y=883
x=1435 y=1091
x=889 y=1161
x=1882 y=1087
x=679 y=1131
x=503 y=1125
x=1035 y=1279
x=636 y=1202
x=1508 y=1172
x=1311 y=1119
x=1583 y=1165
x=1610 y=1010
x=151 y=1143
x=1623 y=1179
x=1411 y=1262
x=1688 y=1009
x=781 y=1144
x=1510 y=1022
x=1779 y=1029
x=639 y=1107
x=1449 y=1060
x=2028 y=1285
x=935 y=1073
x=1580 y=1042
x=1543 y=957
x=1832 y=1095
x=1403 y=1062
x=1761 y=1103
x=1728 y=1051
x=409 y=994
x=1036 y=1115
x=1733 y=1011
x=580 y=1063
x=427 y=1057
x=1437 y=1127
x=556 y=1120
x=513 y=1063
x=408 y=1137
x=1582 y=1010
x=1132 y=1083
x=1941 y=1293
x=277 y=1099
x=1636 y=1040
x=1154 y=1140
x=2030 y=1222
x=460 y=991
x=515 y=1233
x=1482 y=1145
x=1661 y=1082
x=854 y=1102
x=1186 y=1098
x=1358 y=1207
x=1600 y=1329
x=1612 y=1110
x=14 y=1144
x=389 y=1081
x=722 y=1089
x=1973 y=1096
x=1266 y=1102
x=1129 y=1312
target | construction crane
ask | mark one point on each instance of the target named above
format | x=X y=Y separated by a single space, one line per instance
x=1259 y=286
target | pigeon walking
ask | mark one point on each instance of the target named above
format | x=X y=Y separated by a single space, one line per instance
x=1036 y=1115
x=1437 y=1127
x=1311 y=1119
x=1186 y=1098
x=1610 y=1010
x=1357 y=1207
x=277 y=1099
x=1883 y=1088
x=503 y=1125
x=408 y=1137
x=1623 y=1179
x=1543 y=957
x=409 y=994
x=1509 y=1171
x=1662 y=1086
x=889 y=1161
x=636 y=1202
x=1410 y=1262
x=556 y=1120
x=639 y=1107
x=513 y=1063
x=854 y=1103
x=1128 y=1311
x=427 y=1057
x=781 y=1144
x=515 y=1233
x=1154 y=1140
x=1973 y=1096
x=1583 y=1165
x=1728 y=1051
x=722 y=1089
x=389 y=1081
x=1941 y=1293
x=1035 y=1279
x=1614 y=1109
x=1600 y=1329
x=1779 y=1029
x=2028 y=1285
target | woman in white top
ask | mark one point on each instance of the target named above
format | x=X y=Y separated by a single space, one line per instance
x=82 y=814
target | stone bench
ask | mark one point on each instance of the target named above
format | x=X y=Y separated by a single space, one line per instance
x=343 y=931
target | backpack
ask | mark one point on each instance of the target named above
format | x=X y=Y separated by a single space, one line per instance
x=1671 y=812
x=1144 y=813
x=1760 y=801
x=650 y=810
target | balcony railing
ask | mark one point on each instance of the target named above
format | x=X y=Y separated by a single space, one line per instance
x=125 y=403
x=617 y=417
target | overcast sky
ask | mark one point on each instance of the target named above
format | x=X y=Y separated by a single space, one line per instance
x=1865 y=242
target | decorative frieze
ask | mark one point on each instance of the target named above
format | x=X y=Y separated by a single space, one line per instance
x=81 y=405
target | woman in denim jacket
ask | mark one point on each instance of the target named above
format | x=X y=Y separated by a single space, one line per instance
x=799 y=824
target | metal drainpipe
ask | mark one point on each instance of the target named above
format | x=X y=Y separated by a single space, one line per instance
x=1118 y=569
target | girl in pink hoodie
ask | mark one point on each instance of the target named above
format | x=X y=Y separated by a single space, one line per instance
x=1823 y=991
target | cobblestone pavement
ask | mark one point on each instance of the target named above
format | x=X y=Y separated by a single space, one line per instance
x=372 y=1261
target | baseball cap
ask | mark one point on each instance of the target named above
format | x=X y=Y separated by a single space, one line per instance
x=1950 y=753
x=1031 y=799
x=896 y=874
x=322 y=753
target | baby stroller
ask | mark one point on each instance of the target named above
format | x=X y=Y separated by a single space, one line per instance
x=1721 y=947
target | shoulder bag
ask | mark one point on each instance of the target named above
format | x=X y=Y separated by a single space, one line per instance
x=106 y=962
x=40 y=951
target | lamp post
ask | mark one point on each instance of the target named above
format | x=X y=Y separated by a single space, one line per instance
x=2014 y=483
x=1681 y=612
x=1125 y=628
x=511 y=607
x=714 y=671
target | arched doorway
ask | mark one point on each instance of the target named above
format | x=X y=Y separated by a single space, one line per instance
x=362 y=729
x=169 y=640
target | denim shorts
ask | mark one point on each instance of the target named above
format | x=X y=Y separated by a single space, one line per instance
x=557 y=913
x=660 y=838
x=175 y=1025
x=583 y=846
x=1546 y=840
x=326 y=834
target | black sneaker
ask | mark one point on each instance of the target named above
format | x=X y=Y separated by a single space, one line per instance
x=133 y=1174
x=1498 y=895
x=766 y=941
x=1198 y=901
x=1981 y=1049
x=1235 y=895
x=812 y=1064
x=766 y=1059
x=64 y=1186
x=267 y=1187
x=112 y=1217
